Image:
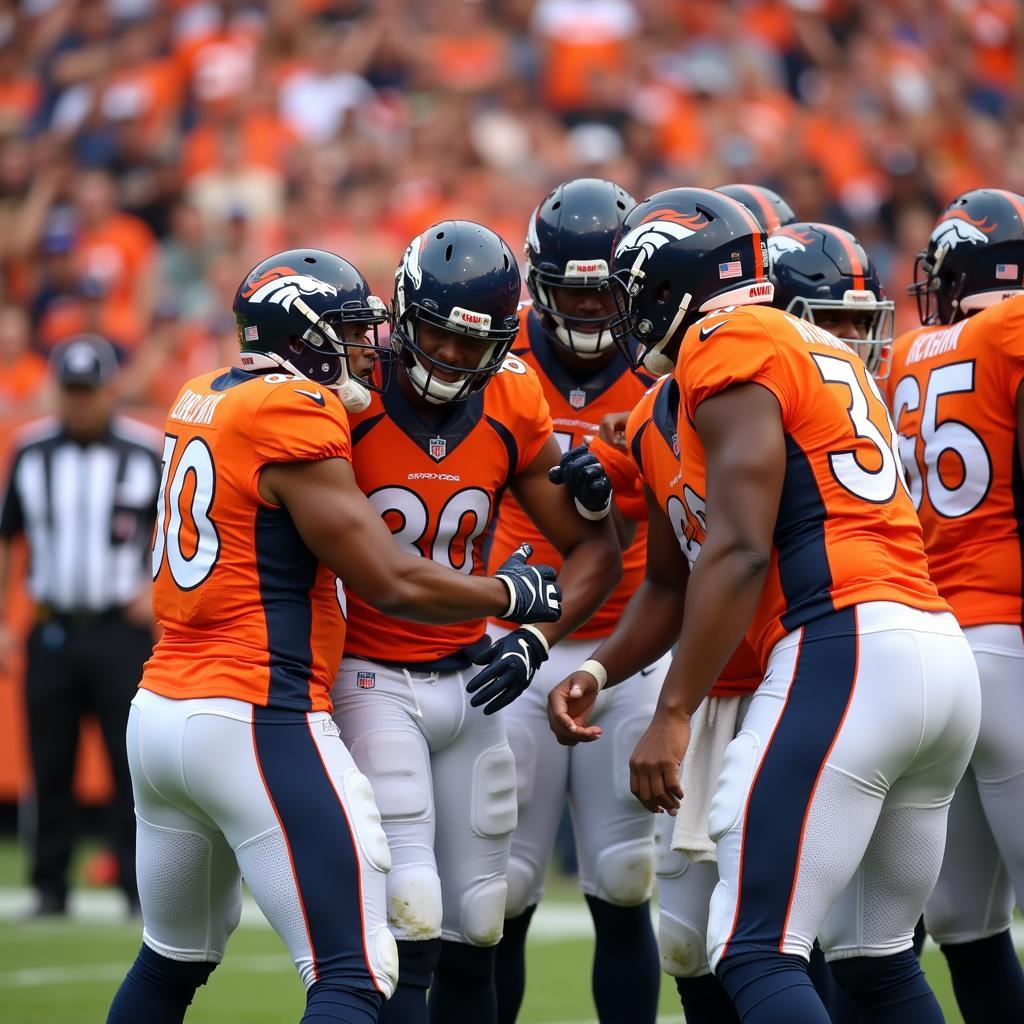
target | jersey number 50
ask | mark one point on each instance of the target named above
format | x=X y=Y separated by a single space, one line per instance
x=195 y=467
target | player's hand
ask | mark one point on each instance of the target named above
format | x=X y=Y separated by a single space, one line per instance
x=569 y=704
x=654 y=766
x=533 y=589
x=582 y=473
x=511 y=663
x=612 y=430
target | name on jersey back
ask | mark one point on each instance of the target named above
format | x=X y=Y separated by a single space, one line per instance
x=935 y=343
x=194 y=409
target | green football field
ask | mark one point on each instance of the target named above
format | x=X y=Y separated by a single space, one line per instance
x=66 y=972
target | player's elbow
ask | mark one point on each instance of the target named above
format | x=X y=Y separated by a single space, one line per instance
x=752 y=562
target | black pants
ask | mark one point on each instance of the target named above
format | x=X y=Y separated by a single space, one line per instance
x=77 y=666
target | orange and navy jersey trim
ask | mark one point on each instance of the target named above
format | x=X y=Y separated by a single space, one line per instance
x=438 y=487
x=953 y=393
x=846 y=531
x=247 y=610
x=654 y=441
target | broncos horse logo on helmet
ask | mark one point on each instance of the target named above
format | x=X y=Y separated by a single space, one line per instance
x=313 y=322
x=974 y=257
x=680 y=254
x=284 y=285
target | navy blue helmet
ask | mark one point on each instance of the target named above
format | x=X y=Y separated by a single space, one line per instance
x=679 y=255
x=457 y=276
x=311 y=313
x=569 y=245
x=974 y=257
x=819 y=271
x=770 y=209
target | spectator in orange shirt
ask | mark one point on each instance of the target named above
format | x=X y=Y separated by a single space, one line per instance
x=22 y=371
x=118 y=250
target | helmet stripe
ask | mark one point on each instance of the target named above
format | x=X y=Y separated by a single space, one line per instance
x=771 y=218
x=1014 y=200
x=851 y=252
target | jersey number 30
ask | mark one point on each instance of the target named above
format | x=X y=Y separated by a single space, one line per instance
x=190 y=546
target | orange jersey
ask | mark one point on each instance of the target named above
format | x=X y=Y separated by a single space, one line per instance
x=438 y=486
x=954 y=392
x=577 y=409
x=654 y=443
x=846 y=531
x=247 y=610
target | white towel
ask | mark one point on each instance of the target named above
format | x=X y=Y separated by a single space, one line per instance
x=712 y=728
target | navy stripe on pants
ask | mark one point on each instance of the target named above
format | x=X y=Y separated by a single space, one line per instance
x=322 y=847
x=819 y=694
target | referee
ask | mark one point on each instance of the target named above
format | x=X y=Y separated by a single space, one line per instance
x=82 y=490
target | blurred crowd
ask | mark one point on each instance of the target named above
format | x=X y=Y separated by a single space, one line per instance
x=151 y=152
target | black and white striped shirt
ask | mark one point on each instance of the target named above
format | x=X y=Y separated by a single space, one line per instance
x=87 y=512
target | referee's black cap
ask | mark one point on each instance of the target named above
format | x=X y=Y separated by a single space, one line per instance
x=85 y=361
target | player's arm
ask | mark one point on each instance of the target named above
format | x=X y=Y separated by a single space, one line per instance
x=647 y=629
x=341 y=527
x=745 y=454
x=592 y=561
x=592 y=566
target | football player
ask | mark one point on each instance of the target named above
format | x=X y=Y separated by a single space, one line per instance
x=461 y=423
x=830 y=808
x=823 y=275
x=237 y=767
x=565 y=339
x=959 y=409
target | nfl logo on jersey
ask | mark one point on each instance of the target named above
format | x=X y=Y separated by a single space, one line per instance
x=438 y=448
x=366 y=680
x=577 y=398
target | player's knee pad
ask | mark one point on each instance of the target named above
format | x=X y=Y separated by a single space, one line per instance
x=364 y=817
x=400 y=784
x=482 y=913
x=624 y=873
x=414 y=902
x=493 y=807
x=523 y=882
x=738 y=766
x=682 y=946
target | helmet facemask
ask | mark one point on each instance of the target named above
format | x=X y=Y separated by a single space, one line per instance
x=349 y=367
x=876 y=348
x=427 y=373
x=572 y=332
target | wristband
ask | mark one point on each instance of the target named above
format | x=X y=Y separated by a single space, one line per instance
x=593 y=516
x=511 y=596
x=540 y=636
x=597 y=670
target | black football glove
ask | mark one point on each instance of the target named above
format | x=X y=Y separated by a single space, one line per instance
x=511 y=663
x=581 y=471
x=534 y=593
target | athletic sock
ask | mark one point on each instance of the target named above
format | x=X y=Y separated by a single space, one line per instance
x=157 y=990
x=987 y=979
x=625 y=950
x=463 y=988
x=510 y=966
x=329 y=1003
x=705 y=1001
x=416 y=964
x=769 y=987
x=889 y=989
